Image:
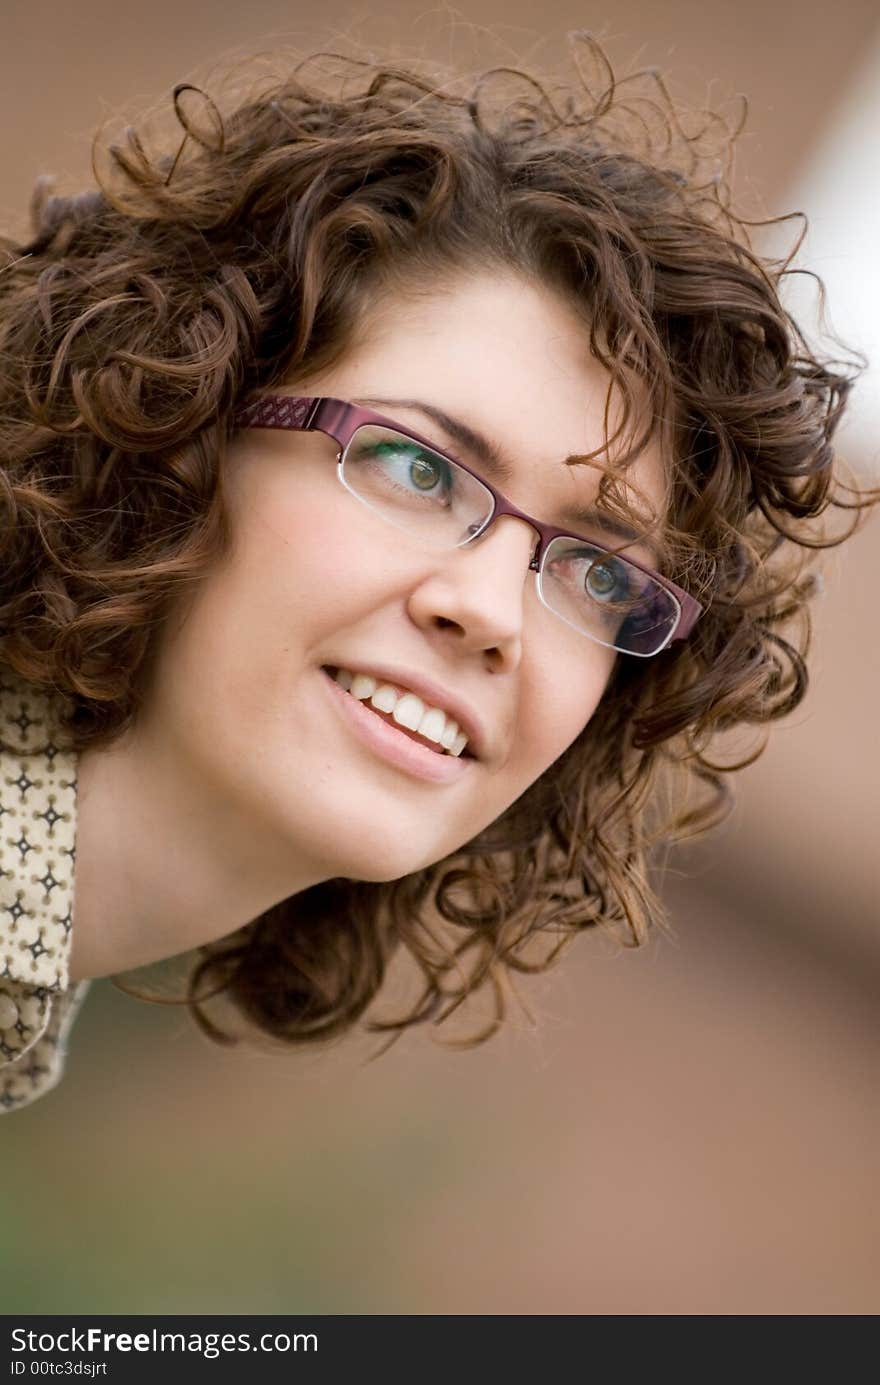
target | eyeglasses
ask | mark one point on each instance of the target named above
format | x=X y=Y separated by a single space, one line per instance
x=444 y=504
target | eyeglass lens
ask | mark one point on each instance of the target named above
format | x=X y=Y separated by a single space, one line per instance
x=420 y=491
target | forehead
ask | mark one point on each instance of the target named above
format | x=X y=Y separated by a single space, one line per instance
x=510 y=361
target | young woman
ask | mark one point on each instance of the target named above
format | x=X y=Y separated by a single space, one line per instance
x=400 y=488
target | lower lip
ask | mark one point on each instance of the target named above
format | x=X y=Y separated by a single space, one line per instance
x=393 y=745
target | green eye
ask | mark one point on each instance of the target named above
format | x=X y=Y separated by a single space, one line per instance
x=422 y=472
x=603 y=582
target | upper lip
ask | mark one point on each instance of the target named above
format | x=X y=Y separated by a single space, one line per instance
x=434 y=694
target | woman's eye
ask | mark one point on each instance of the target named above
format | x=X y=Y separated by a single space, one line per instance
x=607 y=580
x=409 y=466
x=608 y=583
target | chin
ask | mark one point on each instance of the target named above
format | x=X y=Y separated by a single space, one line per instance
x=379 y=867
x=380 y=873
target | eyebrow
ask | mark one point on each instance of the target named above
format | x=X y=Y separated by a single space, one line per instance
x=489 y=455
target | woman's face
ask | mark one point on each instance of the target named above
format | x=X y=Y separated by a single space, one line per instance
x=315 y=580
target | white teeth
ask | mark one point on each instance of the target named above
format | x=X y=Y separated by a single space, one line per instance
x=362 y=686
x=409 y=711
x=450 y=732
x=406 y=708
x=385 y=697
x=432 y=724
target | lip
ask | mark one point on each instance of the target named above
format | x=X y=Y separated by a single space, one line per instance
x=393 y=745
x=435 y=695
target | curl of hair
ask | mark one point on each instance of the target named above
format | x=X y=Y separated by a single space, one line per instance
x=139 y=318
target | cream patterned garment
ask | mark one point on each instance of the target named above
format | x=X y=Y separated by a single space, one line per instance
x=37 y=854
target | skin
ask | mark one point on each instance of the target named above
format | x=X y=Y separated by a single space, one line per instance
x=239 y=785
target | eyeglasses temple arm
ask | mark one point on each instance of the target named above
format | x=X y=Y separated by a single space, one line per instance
x=691 y=610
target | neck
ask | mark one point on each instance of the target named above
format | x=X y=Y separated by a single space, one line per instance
x=163 y=864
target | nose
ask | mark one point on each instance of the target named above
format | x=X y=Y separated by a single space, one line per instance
x=476 y=595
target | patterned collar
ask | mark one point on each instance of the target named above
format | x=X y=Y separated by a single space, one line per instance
x=37 y=859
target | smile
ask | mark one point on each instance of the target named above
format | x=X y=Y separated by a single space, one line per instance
x=432 y=726
x=393 y=742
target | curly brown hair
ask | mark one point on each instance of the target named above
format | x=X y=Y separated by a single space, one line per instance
x=140 y=317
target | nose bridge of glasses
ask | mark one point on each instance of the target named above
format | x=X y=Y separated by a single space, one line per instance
x=503 y=508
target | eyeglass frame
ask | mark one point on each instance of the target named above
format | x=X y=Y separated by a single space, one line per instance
x=340 y=421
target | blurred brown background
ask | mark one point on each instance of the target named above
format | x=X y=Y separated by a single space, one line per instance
x=692 y=1128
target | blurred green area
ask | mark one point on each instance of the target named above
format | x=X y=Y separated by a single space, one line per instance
x=121 y=1193
x=692 y=1128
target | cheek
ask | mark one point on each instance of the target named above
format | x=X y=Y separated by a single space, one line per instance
x=298 y=560
x=309 y=553
x=566 y=696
